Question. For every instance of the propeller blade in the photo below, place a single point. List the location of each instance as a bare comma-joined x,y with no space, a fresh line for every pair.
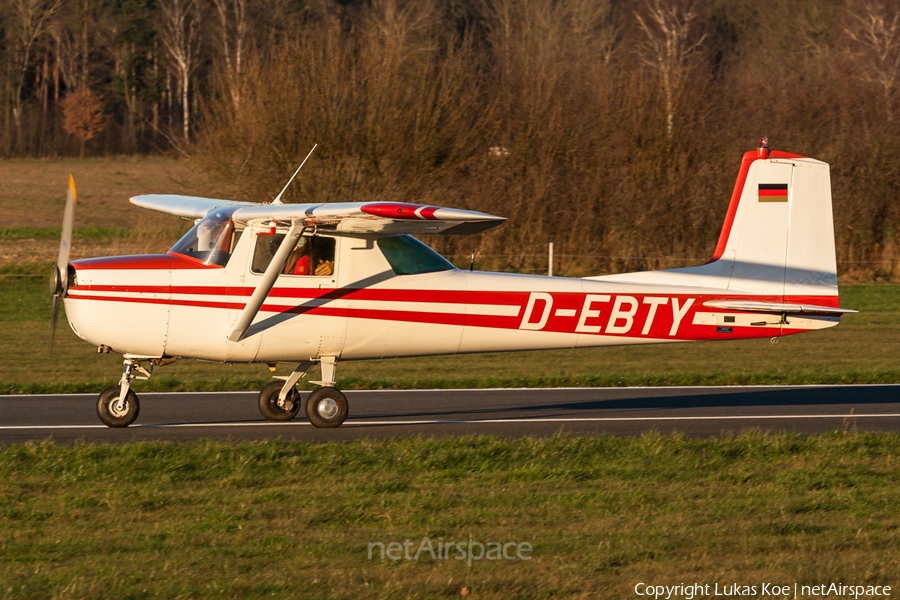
65,241
60,276
53,313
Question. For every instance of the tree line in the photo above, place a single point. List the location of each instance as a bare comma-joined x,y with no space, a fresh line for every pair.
613,128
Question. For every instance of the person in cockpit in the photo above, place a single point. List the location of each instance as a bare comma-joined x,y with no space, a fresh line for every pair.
305,261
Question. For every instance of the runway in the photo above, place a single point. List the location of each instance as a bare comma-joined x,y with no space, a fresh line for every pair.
695,411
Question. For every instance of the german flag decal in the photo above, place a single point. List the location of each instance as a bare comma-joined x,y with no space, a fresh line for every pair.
773,192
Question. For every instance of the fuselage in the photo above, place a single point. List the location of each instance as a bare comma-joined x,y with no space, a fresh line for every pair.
176,305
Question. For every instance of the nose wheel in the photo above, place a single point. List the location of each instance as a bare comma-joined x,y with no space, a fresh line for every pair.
115,410
117,405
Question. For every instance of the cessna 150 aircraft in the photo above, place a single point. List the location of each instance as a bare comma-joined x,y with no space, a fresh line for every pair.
324,283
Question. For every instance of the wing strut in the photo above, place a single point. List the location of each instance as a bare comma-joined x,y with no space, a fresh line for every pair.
265,286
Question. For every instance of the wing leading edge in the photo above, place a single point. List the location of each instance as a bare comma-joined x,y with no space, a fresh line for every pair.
186,207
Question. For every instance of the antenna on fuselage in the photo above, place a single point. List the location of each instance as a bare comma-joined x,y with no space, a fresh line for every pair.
277,199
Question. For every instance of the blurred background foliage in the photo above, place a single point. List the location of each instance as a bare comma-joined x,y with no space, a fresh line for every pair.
612,128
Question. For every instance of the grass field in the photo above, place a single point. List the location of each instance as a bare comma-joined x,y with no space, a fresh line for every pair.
279,519
34,191
293,520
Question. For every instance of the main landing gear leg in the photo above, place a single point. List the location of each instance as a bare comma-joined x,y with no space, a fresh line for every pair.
326,406
281,401
117,405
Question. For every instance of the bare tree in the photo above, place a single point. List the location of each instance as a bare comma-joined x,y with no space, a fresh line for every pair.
29,20
876,36
180,33
668,46
235,28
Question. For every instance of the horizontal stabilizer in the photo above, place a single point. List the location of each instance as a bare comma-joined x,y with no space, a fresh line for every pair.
775,307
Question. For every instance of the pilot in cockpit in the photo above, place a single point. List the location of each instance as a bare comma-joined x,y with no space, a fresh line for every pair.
304,260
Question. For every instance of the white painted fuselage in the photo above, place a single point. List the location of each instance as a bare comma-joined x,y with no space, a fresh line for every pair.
773,251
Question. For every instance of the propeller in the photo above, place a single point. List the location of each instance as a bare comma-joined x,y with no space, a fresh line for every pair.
59,273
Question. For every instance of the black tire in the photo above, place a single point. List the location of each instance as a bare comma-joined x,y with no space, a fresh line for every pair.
327,407
106,410
268,403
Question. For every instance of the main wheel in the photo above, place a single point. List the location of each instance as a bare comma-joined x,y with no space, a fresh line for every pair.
110,415
268,403
327,407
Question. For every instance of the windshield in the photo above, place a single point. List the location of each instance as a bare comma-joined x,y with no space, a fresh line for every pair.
408,256
211,240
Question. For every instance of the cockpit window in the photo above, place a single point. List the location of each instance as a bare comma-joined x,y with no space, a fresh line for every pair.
311,256
408,256
210,241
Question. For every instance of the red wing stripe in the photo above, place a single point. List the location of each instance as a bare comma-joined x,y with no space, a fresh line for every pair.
391,210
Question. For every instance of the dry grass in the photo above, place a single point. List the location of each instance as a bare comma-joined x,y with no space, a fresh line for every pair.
34,191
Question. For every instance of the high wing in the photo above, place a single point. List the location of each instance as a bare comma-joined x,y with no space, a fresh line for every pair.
186,207
343,217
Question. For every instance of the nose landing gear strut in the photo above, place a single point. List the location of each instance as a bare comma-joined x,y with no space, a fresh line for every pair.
117,405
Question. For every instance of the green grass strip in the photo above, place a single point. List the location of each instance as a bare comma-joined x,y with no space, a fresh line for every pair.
46,233
212,519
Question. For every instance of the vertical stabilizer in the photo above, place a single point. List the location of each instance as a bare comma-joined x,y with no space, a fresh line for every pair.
781,239
778,236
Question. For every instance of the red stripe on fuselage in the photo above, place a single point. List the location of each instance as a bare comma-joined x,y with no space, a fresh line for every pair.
403,295
489,297
568,312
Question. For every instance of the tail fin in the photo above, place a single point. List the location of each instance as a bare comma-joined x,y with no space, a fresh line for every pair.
778,237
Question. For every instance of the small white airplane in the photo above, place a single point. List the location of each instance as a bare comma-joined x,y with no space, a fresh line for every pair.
324,283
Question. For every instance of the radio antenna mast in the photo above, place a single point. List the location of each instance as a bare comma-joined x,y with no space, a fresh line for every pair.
277,199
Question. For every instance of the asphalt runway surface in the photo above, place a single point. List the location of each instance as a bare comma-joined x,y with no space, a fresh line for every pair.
694,411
